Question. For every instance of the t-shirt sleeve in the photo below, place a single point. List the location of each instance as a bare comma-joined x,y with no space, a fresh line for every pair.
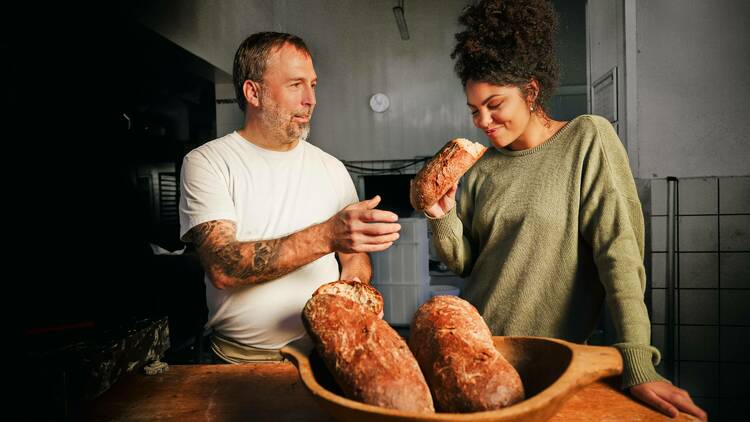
204,195
348,193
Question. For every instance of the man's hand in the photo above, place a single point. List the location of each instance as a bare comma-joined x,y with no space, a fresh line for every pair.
444,204
667,398
362,228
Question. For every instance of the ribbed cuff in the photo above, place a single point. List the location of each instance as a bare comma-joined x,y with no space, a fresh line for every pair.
638,364
446,226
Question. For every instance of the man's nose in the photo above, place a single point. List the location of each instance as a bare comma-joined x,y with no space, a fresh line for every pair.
308,99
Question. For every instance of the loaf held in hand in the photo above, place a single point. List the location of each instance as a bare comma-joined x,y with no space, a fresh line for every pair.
454,348
434,180
368,359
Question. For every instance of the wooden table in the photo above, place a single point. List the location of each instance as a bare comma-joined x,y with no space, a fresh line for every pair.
274,392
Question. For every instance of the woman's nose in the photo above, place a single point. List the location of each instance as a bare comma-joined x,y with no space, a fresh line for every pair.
482,119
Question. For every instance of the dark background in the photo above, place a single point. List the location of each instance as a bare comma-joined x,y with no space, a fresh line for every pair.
80,226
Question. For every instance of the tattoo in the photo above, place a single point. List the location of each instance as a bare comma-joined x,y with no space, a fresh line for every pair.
246,262
201,232
265,254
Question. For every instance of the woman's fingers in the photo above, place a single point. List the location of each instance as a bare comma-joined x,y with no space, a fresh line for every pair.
650,397
684,403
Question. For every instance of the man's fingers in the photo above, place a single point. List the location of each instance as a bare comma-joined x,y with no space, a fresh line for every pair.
372,203
367,204
371,216
373,248
658,403
378,229
376,240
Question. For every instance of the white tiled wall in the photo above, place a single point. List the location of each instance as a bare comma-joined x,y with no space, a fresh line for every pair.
713,331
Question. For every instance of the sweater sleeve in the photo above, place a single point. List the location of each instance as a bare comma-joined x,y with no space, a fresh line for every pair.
450,236
611,222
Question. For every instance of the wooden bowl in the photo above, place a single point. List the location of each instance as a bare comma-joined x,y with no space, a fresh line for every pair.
551,371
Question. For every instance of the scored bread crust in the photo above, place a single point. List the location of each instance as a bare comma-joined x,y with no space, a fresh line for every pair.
368,359
359,292
454,348
434,180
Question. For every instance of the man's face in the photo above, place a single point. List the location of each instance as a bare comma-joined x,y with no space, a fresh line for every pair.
287,95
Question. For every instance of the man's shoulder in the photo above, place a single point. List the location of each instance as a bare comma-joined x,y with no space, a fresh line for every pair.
218,143
214,149
327,158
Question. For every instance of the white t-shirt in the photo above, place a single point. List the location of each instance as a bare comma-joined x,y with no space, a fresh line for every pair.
269,195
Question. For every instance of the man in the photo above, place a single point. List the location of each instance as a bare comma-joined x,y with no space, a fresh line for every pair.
266,210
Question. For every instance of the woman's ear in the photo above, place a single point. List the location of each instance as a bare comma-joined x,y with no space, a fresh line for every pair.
532,92
251,90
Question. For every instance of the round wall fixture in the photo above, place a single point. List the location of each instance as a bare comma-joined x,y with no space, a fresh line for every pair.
379,102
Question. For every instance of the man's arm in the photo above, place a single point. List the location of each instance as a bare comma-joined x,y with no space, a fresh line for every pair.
231,263
355,265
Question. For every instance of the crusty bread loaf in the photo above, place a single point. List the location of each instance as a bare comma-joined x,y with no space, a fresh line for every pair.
454,348
361,293
368,359
434,180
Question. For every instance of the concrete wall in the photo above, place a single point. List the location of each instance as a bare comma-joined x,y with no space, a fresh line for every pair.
210,29
693,88
358,52
570,98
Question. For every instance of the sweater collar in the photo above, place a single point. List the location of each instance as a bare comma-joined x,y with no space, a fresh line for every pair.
551,140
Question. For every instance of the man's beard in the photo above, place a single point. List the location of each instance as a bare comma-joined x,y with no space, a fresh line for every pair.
280,122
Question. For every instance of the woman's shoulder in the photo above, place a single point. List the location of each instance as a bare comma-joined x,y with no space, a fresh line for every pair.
596,129
591,122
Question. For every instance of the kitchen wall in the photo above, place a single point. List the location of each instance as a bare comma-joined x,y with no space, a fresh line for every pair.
693,88
712,290
210,29
358,52
683,89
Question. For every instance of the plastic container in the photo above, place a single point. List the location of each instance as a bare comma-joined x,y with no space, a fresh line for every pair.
402,272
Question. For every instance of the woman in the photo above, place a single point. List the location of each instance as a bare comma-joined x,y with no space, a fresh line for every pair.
549,224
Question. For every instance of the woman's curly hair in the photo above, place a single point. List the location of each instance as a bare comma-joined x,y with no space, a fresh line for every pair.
508,42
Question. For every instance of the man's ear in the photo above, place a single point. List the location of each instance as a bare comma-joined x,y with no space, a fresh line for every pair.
251,90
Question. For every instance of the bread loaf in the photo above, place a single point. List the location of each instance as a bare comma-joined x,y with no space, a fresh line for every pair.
367,358
434,180
454,348
361,293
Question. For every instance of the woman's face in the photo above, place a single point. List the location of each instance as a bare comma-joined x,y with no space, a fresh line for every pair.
499,110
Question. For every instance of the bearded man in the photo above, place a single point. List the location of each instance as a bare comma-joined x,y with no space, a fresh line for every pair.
268,212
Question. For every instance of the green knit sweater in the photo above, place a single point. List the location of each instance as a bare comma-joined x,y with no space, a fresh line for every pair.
546,234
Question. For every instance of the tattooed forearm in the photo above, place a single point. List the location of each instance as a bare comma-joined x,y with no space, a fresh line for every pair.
213,229
232,263
265,255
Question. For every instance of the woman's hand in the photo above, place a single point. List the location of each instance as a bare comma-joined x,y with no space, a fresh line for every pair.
444,204
667,398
